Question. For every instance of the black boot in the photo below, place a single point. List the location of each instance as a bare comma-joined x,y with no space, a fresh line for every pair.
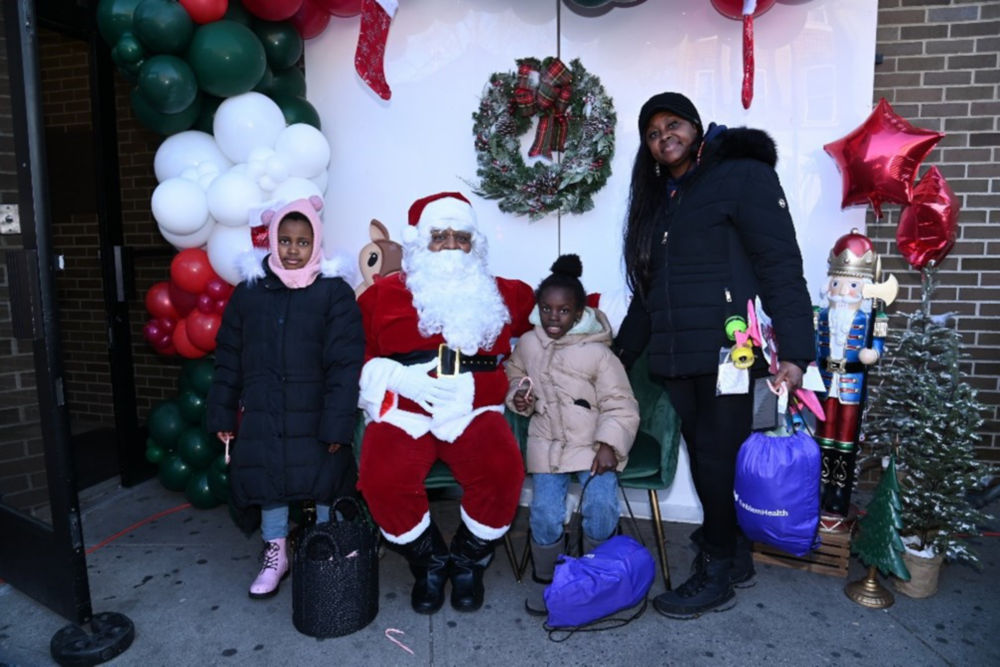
430,564
742,572
470,556
708,589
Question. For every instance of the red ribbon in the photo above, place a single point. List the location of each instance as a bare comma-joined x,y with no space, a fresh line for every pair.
552,101
258,236
747,96
524,94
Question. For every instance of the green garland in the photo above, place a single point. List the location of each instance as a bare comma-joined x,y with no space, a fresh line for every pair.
546,186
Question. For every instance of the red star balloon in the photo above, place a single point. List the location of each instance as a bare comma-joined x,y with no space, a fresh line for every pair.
879,159
928,226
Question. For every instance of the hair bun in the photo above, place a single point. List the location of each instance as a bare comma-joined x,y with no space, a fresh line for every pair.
569,265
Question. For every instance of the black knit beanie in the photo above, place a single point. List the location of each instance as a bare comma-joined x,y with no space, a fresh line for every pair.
674,103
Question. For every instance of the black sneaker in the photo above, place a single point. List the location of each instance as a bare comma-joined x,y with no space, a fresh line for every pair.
708,589
741,574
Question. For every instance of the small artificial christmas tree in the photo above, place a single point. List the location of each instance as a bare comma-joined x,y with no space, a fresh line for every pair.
924,406
878,543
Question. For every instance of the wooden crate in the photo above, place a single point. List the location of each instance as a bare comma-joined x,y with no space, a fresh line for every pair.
831,558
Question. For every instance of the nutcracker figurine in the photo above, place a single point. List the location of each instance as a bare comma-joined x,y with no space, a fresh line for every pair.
850,335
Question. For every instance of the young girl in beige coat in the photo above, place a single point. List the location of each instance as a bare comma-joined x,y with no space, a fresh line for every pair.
584,417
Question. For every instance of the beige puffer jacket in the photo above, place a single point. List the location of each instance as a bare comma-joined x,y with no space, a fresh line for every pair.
568,375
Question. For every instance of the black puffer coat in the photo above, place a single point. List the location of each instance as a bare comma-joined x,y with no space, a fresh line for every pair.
292,359
723,238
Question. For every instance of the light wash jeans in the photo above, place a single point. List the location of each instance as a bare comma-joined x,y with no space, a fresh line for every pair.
548,505
274,520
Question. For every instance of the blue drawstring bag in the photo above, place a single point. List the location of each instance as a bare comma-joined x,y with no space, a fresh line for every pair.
777,490
614,576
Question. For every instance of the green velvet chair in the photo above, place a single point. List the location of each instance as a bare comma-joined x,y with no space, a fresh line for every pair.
440,477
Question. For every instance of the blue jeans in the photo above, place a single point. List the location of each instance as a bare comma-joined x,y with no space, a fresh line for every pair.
548,505
274,520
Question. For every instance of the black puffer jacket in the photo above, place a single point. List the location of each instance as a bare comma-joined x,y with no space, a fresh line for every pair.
292,358
723,238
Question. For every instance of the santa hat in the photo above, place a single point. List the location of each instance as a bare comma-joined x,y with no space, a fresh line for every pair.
444,210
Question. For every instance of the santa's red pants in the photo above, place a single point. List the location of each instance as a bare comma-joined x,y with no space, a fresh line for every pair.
485,460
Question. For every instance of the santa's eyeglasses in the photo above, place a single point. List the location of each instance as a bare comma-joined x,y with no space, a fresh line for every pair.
442,236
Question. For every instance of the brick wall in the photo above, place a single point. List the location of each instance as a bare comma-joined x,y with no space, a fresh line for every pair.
941,71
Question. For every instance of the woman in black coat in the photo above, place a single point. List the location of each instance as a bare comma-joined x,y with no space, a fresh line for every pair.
708,228
287,363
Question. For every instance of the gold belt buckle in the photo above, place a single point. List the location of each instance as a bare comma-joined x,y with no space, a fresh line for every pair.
442,349
837,366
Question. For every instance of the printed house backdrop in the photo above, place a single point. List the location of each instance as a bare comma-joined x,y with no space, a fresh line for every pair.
814,76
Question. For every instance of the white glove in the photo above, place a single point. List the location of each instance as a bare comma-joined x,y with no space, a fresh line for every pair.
414,383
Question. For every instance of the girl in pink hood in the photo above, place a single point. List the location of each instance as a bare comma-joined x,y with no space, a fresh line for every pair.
289,354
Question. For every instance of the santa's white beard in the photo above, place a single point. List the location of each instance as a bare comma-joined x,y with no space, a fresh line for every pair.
841,319
455,296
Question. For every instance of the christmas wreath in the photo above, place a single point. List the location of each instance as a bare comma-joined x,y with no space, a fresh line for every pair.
575,117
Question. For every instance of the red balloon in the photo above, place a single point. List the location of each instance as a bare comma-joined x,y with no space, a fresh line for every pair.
879,159
168,324
217,288
341,8
928,226
201,328
184,301
205,11
220,305
733,9
184,346
310,20
152,332
205,303
190,270
158,301
272,10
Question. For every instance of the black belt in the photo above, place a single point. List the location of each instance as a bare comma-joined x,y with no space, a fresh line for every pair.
450,362
841,366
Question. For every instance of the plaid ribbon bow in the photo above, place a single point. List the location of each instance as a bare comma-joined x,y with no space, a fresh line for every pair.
524,91
552,101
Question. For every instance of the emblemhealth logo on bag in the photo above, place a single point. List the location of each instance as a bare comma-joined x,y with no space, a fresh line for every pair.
757,510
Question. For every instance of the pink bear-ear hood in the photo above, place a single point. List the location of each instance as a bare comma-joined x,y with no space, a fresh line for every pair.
307,274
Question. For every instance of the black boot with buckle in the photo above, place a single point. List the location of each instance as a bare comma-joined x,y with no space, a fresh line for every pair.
470,555
708,589
430,564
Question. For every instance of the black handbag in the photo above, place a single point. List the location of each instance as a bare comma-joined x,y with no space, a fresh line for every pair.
335,575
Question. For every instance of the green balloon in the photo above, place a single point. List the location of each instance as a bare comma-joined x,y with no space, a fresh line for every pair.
206,119
218,479
289,82
266,81
199,492
227,58
163,26
297,110
128,50
114,18
192,406
155,454
282,42
167,84
196,447
236,12
174,473
165,424
200,371
164,123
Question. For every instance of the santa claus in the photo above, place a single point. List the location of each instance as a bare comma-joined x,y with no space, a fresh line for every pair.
433,388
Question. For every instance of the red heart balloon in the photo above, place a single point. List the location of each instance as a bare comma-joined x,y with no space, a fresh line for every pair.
928,226
879,159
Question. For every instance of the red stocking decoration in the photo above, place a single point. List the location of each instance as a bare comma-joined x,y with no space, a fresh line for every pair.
375,18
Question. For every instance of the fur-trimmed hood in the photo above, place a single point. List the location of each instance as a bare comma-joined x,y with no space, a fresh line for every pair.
724,143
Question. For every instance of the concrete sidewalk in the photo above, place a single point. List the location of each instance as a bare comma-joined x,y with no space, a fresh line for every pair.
182,580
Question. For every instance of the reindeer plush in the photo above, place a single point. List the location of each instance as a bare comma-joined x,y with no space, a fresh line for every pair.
378,259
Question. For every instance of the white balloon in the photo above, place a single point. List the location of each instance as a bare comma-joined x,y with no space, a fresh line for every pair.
321,180
187,149
190,174
266,183
225,246
260,154
295,188
304,148
245,122
205,168
231,196
179,206
194,240
277,168
206,180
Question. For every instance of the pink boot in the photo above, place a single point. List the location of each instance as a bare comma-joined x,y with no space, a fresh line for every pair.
273,569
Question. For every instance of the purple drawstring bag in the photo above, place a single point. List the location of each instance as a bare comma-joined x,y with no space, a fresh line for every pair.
777,490
614,576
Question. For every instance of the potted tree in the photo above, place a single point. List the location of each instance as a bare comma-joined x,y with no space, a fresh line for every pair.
925,412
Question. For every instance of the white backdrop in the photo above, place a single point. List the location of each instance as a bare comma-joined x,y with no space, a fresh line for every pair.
814,73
